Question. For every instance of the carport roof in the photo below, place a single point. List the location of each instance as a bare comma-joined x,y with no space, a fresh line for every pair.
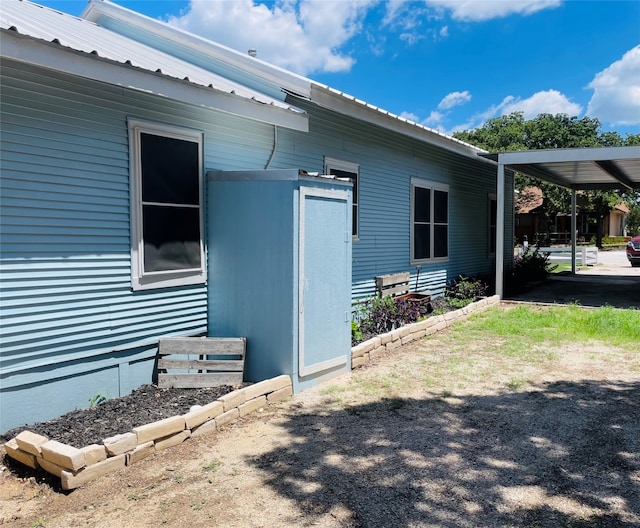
577,168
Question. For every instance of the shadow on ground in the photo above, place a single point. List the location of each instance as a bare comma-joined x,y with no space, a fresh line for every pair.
585,290
557,455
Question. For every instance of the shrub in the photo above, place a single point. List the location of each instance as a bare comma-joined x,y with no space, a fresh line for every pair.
464,290
529,267
356,333
615,241
378,315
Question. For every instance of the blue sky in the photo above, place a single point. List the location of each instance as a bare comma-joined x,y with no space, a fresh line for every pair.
447,64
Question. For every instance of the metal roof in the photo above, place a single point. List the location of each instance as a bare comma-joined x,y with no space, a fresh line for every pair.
33,22
577,168
106,13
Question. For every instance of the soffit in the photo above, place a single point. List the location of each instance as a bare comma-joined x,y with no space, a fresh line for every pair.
578,168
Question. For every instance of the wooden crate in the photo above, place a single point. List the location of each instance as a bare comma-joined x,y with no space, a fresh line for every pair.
392,284
220,361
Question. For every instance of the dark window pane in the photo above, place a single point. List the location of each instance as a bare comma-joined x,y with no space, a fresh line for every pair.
170,172
421,241
422,205
171,238
493,212
441,244
492,240
349,176
440,206
354,220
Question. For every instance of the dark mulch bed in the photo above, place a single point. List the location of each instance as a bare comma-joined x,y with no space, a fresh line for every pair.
145,405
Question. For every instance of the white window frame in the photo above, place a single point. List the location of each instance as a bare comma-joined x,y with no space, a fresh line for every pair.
354,168
432,186
492,198
141,280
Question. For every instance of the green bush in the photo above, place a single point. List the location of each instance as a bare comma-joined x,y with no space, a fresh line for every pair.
464,290
531,266
614,241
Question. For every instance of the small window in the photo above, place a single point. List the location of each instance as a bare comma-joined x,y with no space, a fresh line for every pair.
493,222
350,171
166,206
430,221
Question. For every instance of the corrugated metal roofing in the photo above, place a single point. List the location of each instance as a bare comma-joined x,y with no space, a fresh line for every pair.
81,35
103,11
578,168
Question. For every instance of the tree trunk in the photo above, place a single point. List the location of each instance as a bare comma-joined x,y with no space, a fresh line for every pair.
600,231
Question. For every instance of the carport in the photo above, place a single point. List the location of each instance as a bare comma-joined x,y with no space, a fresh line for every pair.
602,168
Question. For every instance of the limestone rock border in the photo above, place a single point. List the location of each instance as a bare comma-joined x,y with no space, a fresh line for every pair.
364,352
76,467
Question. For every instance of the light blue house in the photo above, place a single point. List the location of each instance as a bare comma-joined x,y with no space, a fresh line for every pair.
95,109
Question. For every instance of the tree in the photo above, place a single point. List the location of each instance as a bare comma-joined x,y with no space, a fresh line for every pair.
633,220
547,131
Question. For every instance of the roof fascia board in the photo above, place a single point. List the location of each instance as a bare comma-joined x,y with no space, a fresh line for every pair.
567,155
54,57
96,9
328,98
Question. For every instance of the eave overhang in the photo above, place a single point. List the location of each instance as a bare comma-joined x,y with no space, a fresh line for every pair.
53,56
605,168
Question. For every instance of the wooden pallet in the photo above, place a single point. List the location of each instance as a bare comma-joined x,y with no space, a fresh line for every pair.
397,285
393,284
220,361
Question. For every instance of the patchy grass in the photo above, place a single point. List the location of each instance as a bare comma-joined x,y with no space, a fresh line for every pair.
565,266
214,465
523,326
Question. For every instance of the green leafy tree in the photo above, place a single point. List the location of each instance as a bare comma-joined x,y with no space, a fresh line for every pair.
633,220
547,131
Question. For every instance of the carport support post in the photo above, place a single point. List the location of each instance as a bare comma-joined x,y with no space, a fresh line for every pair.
500,232
574,231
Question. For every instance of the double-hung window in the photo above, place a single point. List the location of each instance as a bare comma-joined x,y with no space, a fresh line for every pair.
166,206
429,221
350,171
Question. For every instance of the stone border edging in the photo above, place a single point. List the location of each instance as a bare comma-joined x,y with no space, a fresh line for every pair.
76,467
363,352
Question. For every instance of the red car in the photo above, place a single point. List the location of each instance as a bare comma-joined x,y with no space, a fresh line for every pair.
633,251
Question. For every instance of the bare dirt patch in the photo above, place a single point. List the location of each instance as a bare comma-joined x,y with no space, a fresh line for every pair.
439,433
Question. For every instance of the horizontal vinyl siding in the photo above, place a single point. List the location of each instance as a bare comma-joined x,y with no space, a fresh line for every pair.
387,163
65,265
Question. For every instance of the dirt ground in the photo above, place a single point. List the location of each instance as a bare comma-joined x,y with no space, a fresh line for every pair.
436,434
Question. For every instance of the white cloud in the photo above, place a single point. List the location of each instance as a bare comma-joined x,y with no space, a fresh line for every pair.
410,117
616,91
301,35
478,10
546,102
454,99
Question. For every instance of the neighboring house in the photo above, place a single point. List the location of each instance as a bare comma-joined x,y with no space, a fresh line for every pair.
529,217
530,220
92,275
